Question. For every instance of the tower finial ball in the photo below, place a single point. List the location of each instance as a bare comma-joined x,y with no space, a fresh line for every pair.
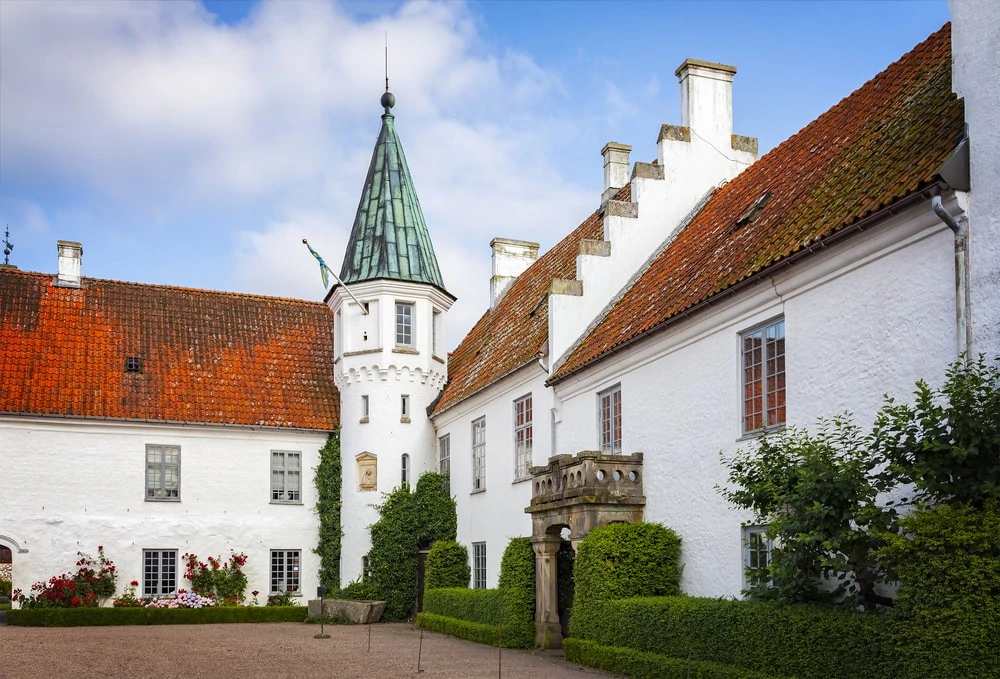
388,100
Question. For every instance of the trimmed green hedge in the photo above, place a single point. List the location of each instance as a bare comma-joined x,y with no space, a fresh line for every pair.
447,566
803,641
463,629
948,603
628,559
517,594
473,605
640,664
95,617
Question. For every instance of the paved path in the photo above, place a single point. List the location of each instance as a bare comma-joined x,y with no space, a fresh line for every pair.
272,650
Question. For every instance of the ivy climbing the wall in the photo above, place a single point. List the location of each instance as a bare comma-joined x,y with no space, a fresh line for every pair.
409,521
328,484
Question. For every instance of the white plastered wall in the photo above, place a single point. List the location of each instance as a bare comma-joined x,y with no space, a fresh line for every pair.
80,484
867,317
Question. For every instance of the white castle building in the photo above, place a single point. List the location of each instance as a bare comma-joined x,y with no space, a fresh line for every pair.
709,294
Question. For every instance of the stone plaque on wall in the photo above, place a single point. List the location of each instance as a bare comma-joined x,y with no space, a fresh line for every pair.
367,471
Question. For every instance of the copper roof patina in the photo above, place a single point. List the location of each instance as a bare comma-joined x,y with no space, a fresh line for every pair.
390,238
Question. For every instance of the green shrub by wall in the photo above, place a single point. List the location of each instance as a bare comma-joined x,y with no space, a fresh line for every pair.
628,559
640,664
447,566
408,521
93,617
804,641
517,594
948,604
463,629
5,588
328,503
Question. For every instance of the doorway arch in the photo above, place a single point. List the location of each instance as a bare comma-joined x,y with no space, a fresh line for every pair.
578,493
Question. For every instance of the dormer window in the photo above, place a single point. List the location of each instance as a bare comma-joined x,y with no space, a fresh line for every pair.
751,212
133,364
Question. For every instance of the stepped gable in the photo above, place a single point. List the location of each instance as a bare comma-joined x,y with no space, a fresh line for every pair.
389,238
203,357
512,334
882,143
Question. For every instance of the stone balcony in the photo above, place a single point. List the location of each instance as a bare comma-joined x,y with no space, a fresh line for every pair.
584,491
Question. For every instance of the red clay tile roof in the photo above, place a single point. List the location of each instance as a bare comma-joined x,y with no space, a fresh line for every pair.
882,143
511,335
207,357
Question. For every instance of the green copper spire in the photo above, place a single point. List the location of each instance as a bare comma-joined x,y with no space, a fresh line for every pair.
390,238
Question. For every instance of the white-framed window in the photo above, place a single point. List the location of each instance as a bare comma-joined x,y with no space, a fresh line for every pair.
286,476
365,408
404,407
404,469
444,460
159,572
756,555
479,455
522,437
404,324
436,332
163,473
285,569
479,565
609,409
763,358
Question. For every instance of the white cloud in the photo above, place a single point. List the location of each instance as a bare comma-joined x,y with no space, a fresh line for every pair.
159,112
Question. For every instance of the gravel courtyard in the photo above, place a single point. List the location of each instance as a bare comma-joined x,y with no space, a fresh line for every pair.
262,650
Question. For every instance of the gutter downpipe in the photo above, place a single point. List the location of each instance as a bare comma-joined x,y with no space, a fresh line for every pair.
963,319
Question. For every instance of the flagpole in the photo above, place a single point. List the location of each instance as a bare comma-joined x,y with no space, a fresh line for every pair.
364,310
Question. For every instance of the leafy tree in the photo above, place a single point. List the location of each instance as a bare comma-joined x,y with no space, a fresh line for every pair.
947,444
818,493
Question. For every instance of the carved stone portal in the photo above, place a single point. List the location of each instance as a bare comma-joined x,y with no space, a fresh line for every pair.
579,493
367,471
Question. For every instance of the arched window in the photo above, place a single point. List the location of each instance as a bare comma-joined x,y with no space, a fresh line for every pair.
404,469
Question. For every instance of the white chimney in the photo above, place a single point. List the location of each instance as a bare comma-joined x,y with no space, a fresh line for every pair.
615,168
70,254
510,259
707,100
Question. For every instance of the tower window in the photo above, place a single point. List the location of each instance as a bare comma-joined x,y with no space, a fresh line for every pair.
404,408
404,324
364,408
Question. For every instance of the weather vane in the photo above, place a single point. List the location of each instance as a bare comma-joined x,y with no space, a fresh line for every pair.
7,246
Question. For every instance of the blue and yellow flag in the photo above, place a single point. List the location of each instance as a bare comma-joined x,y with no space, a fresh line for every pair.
323,268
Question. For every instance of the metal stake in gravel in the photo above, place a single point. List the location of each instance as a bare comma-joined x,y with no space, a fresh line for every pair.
321,592
420,650
369,634
500,651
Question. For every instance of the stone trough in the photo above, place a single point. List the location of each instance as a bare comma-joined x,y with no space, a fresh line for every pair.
359,612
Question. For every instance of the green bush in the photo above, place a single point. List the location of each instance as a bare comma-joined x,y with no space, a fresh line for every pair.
948,603
463,629
447,566
93,617
358,591
640,664
796,640
5,588
472,605
517,594
408,521
626,560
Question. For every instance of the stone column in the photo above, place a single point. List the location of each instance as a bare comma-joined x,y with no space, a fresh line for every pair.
548,633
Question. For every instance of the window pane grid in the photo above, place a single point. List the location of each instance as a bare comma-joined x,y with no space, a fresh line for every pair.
444,460
286,477
522,437
479,454
764,377
756,555
404,325
479,565
285,570
610,413
163,472
159,572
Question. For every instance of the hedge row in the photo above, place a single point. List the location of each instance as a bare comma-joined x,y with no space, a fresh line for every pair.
463,629
472,605
628,559
95,617
517,594
651,665
801,641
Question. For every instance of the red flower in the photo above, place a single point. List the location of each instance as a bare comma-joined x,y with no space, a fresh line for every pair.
134,583
75,601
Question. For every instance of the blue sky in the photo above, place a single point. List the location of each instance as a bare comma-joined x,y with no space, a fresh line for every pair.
197,143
